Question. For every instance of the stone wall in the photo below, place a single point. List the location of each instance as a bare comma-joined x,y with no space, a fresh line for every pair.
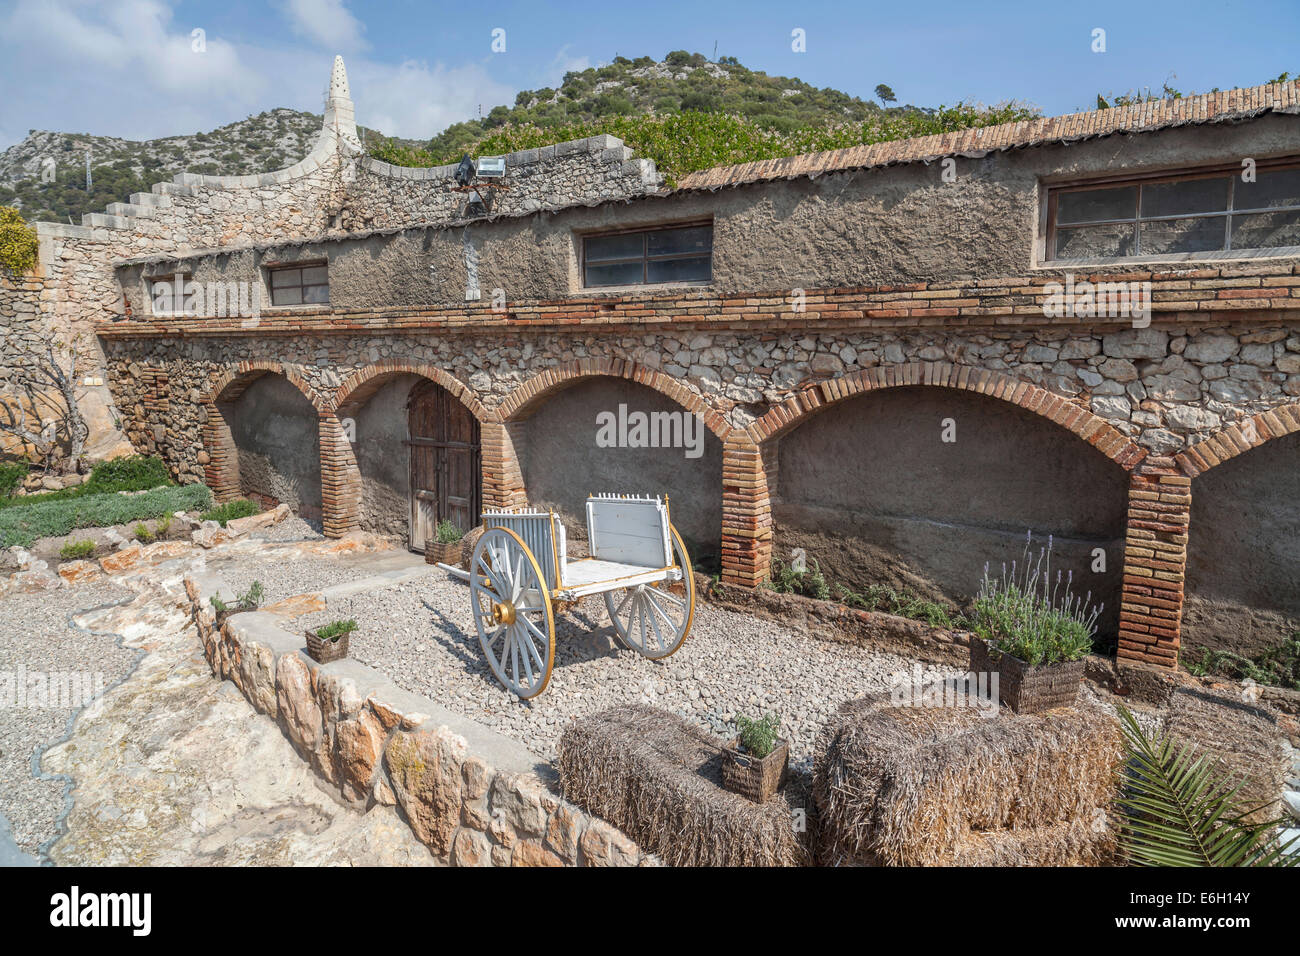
471,796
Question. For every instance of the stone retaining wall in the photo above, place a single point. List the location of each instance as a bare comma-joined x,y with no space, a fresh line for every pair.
472,797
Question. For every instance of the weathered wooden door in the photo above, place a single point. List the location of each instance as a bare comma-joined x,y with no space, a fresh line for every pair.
445,472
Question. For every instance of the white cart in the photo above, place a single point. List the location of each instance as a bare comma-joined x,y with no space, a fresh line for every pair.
519,572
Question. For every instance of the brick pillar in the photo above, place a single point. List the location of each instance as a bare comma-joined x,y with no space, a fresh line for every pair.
503,481
340,478
1155,565
221,470
746,515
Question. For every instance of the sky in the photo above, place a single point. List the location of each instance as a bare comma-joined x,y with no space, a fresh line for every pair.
137,69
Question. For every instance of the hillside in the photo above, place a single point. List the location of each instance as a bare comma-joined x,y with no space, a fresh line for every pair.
688,113
119,167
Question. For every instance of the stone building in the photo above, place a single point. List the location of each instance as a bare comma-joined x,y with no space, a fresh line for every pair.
902,357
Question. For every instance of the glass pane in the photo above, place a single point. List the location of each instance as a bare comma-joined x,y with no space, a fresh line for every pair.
313,294
314,275
1183,235
1179,199
678,270
1092,205
1095,242
286,296
1280,188
1266,230
668,242
620,273
626,246
280,277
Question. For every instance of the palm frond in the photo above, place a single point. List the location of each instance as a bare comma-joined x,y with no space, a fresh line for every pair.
1180,811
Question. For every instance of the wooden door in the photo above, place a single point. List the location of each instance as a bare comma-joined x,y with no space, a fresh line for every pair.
445,471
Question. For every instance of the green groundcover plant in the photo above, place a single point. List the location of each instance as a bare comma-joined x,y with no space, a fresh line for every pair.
52,518
1028,614
134,473
231,510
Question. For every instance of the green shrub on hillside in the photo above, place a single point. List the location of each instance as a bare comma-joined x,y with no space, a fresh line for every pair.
45,519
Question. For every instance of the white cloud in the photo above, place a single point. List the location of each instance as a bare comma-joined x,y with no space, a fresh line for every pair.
563,63
328,23
416,100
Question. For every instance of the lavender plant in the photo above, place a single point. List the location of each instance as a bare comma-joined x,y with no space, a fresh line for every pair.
1026,613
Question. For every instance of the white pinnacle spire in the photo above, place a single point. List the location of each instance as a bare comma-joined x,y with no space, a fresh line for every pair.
339,113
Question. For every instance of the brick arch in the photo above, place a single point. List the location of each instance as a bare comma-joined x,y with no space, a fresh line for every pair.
526,397
231,382
1093,429
362,384
1238,438
221,470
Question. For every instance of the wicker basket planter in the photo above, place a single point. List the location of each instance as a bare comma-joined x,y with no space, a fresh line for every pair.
442,552
324,651
1028,688
752,777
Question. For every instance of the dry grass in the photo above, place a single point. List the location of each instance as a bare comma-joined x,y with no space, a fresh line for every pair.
657,778
1242,738
912,786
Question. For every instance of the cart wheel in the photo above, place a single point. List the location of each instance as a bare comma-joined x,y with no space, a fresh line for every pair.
512,611
654,619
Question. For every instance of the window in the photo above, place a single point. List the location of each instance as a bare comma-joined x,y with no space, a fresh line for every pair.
300,285
671,254
1187,215
168,293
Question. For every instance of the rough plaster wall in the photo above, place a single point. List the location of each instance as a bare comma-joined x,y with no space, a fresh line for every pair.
275,430
1243,552
869,489
383,460
562,464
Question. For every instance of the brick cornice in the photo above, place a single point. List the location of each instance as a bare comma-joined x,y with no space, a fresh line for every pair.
1238,438
1249,290
1074,418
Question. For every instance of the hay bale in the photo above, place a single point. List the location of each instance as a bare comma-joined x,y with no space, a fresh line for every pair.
944,786
1242,738
658,779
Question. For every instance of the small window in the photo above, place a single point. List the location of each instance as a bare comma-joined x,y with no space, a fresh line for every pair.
673,254
1185,215
300,285
168,293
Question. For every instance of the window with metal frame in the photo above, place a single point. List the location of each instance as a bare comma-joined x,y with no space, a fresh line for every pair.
1226,209
300,285
167,293
667,254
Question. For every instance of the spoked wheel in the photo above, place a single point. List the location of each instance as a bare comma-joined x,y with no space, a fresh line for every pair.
512,611
654,619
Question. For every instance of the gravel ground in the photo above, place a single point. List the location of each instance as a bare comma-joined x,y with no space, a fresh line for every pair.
35,634
284,575
292,528
422,635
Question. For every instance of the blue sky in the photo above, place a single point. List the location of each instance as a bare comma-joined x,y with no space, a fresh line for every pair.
128,68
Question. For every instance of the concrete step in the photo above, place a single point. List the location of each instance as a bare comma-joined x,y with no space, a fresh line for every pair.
105,221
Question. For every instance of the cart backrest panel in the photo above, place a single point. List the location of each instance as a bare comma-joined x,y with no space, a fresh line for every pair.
544,535
629,530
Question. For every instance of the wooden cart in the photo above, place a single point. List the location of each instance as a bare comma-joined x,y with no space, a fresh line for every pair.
520,571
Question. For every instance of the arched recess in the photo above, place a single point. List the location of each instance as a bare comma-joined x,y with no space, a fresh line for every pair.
611,425
1243,542
916,477
263,437
399,481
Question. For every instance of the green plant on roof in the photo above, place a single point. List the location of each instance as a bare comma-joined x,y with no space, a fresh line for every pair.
448,532
336,629
758,736
1179,810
